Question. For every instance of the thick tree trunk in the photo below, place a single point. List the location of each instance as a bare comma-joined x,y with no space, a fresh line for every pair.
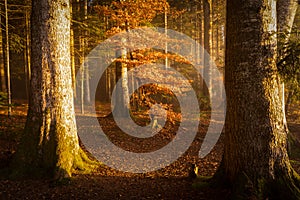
255,161
50,140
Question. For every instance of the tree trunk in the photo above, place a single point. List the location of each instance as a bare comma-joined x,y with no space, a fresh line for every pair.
207,46
2,68
289,100
50,141
286,11
212,30
27,55
87,71
108,85
166,33
201,43
122,93
72,46
255,162
7,61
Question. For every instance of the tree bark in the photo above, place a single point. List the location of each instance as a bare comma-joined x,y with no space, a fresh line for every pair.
255,162
286,11
50,141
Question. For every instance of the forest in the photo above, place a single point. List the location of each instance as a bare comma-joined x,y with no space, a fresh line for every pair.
150,99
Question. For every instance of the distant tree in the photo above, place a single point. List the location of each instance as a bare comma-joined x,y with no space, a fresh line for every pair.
2,69
7,60
255,163
14,44
207,44
126,15
286,11
50,142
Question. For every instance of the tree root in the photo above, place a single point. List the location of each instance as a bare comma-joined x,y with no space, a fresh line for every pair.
286,187
83,164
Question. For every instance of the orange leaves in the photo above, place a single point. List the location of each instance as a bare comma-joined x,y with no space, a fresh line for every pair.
103,10
130,14
147,56
169,82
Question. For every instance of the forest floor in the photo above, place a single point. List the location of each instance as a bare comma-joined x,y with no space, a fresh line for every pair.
171,182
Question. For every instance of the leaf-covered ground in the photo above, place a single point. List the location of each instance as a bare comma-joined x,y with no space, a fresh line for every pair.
172,182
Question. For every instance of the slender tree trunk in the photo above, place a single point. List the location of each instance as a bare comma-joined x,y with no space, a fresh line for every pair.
286,11
289,100
122,98
86,71
27,53
50,141
255,162
201,42
82,68
207,46
7,61
72,46
217,37
83,46
212,29
2,68
108,85
166,33
125,85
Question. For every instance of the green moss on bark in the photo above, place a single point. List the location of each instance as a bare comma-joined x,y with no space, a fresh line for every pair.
284,186
62,156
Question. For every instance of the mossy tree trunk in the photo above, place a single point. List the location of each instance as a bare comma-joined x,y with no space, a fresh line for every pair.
255,162
50,142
